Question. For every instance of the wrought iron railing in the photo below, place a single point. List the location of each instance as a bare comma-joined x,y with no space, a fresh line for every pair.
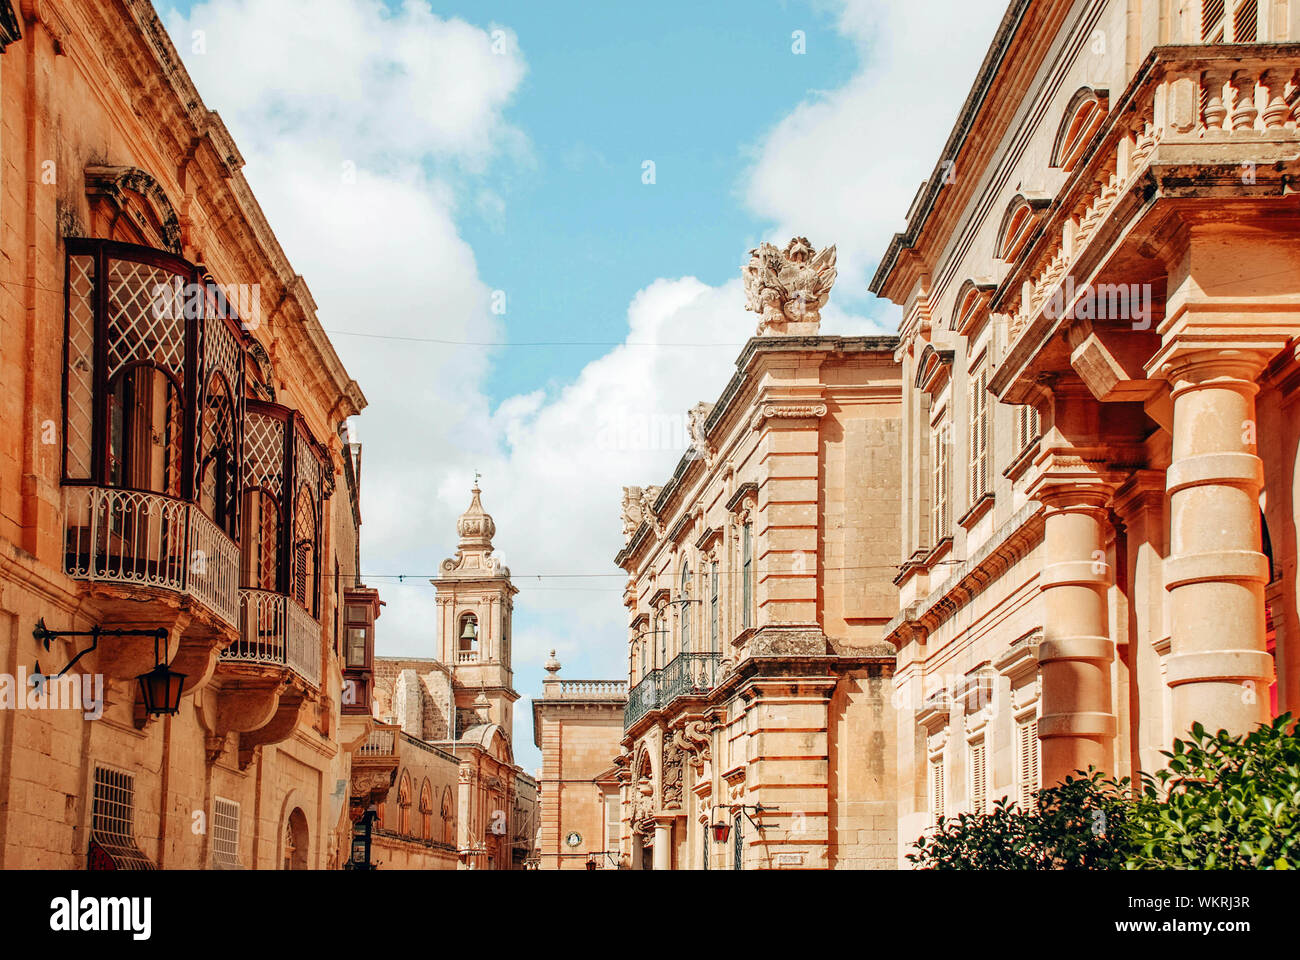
275,631
152,540
687,674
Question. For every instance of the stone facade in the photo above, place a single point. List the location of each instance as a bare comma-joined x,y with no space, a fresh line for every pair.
1098,342
578,726
458,709
162,468
758,589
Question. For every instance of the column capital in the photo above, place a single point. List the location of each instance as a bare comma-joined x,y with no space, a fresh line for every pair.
1188,364
1074,478
1143,490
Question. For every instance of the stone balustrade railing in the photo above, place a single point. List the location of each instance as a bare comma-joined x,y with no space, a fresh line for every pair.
1188,105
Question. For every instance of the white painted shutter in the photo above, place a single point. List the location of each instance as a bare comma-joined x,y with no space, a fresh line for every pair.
978,787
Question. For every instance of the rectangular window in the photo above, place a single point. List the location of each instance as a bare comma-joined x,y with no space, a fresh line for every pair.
747,576
713,607
225,833
936,787
1028,761
979,436
357,637
978,777
613,823
941,518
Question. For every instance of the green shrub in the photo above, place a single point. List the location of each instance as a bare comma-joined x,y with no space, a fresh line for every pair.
1222,802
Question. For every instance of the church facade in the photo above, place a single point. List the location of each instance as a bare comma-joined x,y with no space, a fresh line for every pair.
450,725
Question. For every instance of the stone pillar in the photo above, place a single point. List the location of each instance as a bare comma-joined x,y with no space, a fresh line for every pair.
1077,721
663,852
1219,670
1140,505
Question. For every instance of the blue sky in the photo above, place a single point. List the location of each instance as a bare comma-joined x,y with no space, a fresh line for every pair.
415,158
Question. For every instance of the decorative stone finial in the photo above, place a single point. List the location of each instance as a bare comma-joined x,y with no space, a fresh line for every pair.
551,666
788,288
482,705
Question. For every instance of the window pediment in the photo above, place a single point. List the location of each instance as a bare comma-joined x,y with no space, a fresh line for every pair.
933,368
972,306
1083,117
1019,223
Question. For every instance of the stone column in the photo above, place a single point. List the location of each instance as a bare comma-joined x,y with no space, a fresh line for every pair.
1140,505
663,853
1077,721
1219,670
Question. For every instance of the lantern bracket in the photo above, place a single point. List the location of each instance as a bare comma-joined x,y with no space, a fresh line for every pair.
44,634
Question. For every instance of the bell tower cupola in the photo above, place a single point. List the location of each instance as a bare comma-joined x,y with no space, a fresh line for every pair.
475,607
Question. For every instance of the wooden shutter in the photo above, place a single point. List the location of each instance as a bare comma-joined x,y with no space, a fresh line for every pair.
979,436
978,788
1028,762
942,482
936,787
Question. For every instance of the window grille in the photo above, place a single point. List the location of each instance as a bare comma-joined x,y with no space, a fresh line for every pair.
112,826
225,833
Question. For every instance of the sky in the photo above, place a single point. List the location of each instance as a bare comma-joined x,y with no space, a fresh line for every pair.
523,224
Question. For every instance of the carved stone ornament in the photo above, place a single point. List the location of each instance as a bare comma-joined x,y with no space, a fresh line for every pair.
788,286
674,756
769,642
696,417
633,512
474,552
786,411
693,739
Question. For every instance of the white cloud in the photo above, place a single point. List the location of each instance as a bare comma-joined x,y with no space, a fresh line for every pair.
844,166
416,103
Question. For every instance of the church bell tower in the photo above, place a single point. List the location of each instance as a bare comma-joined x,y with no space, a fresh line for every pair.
475,607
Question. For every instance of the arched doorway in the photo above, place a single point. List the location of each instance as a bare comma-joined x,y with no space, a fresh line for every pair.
296,841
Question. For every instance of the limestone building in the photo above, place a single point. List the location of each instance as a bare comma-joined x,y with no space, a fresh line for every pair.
1099,285
578,726
451,721
178,496
758,729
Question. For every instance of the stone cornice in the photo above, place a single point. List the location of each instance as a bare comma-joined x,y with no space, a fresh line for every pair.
1013,540
744,491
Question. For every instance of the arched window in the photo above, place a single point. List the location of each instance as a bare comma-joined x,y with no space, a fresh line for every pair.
1083,117
686,606
404,805
1018,226
426,811
305,572
146,414
218,467
448,822
467,633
